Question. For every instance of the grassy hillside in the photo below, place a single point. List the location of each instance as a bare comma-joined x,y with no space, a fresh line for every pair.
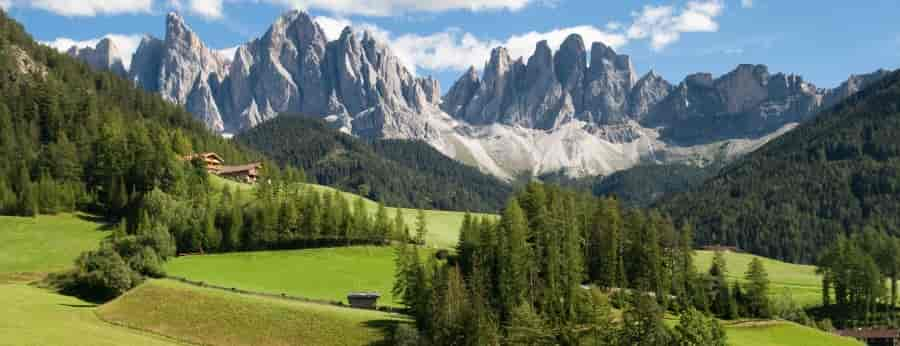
316,273
443,226
782,334
804,285
46,243
34,316
206,316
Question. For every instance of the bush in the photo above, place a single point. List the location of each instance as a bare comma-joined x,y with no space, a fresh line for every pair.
99,275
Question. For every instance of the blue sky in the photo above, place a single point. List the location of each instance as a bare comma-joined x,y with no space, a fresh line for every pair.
825,41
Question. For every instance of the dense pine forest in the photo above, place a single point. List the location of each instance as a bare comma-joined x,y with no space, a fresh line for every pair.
837,174
639,186
551,270
400,173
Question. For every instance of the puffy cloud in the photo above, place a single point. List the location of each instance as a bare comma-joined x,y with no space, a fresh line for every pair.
394,7
83,8
456,50
209,9
126,44
663,25
332,26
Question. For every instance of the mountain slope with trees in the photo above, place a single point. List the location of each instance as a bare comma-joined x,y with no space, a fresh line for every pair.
399,173
838,174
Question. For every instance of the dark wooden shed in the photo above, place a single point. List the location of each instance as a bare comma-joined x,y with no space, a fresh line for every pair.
363,300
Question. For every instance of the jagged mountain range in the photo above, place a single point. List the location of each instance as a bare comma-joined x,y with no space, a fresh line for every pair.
573,110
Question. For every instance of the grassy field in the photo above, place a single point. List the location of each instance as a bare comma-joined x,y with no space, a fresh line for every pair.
443,226
212,317
46,243
328,273
782,334
801,280
35,316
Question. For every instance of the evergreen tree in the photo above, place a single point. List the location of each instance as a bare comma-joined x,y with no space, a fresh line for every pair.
421,227
514,264
757,294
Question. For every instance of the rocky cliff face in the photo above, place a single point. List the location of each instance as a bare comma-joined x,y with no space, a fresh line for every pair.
579,110
104,57
554,88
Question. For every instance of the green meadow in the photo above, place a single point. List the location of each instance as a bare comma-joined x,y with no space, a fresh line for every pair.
46,243
327,274
800,280
776,333
212,317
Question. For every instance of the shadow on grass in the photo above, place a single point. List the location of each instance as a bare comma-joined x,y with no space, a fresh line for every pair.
80,306
386,327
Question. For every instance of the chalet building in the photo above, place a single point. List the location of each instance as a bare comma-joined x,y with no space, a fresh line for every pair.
873,336
248,173
363,300
213,161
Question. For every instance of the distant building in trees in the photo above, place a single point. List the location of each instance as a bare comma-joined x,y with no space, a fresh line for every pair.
215,164
363,300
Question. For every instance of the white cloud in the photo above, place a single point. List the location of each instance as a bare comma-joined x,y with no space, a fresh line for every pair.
126,44
456,50
394,7
663,25
332,26
747,3
208,9
84,8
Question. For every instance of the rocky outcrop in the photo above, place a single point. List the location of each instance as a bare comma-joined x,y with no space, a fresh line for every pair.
853,85
145,64
105,56
551,89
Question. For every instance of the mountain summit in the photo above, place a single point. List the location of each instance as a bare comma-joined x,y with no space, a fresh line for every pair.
585,112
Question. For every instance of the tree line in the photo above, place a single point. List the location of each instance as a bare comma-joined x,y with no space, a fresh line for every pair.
552,267
854,272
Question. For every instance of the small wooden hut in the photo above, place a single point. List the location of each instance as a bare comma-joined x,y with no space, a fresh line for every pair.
363,300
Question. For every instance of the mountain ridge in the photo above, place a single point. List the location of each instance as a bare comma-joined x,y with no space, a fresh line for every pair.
586,112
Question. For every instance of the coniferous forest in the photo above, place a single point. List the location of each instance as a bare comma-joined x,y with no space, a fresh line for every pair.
400,173
539,276
836,175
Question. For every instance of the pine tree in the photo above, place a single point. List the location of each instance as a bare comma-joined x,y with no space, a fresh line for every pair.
400,230
421,227
361,223
382,224
757,294
515,260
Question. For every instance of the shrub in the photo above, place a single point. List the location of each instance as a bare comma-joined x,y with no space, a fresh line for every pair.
99,275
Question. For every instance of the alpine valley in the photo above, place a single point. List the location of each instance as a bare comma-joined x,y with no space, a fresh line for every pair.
576,111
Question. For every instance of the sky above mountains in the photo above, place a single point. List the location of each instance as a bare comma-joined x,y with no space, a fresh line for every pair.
825,40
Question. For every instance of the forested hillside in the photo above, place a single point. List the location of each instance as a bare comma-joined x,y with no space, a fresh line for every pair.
399,173
641,185
72,138
837,174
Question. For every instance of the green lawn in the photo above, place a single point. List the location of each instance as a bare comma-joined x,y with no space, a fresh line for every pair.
443,226
769,333
35,316
46,243
328,273
804,285
213,317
